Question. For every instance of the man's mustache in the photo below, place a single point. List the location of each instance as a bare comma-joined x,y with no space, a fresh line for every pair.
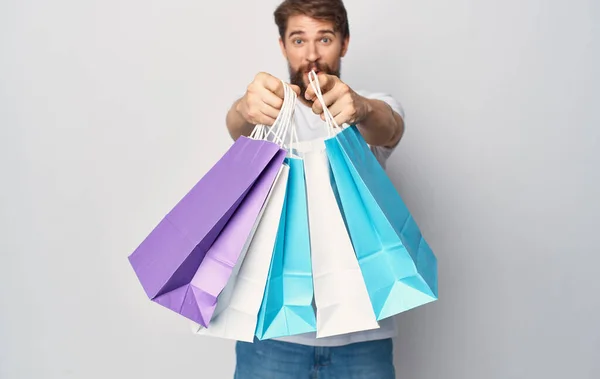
313,66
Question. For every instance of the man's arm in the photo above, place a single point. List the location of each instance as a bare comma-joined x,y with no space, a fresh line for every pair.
236,123
379,125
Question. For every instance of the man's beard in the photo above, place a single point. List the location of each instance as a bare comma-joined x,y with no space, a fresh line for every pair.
297,76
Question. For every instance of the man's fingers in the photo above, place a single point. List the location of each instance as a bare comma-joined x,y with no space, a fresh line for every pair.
310,91
260,118
271,99
269,111
338,112
310,94
341,118
326,82
329,99
317,108
296,89
274,85
335,110
266,120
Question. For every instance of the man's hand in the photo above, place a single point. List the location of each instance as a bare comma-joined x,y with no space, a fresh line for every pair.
378,123
345,105
263,100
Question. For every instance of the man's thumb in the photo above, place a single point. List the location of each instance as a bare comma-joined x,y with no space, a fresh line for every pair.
296,89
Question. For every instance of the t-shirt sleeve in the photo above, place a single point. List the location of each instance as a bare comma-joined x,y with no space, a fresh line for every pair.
382,153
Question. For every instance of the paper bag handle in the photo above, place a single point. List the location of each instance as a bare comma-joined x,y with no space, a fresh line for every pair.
282,122
330,122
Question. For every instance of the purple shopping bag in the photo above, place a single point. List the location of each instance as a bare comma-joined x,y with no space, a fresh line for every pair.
169,257
217,266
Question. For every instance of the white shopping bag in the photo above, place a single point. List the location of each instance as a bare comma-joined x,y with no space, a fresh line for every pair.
341,298
236,313
240,301
225,296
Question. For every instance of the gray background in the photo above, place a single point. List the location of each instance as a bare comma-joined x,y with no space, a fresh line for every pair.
112,110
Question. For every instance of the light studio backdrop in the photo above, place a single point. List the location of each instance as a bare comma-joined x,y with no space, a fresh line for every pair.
111,110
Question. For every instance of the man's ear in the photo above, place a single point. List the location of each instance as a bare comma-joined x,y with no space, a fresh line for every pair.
345,44
282,47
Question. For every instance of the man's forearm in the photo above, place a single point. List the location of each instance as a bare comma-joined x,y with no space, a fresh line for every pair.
381,126
236,124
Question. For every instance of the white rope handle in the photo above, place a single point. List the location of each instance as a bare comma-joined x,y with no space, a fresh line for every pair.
258,132
330,122
292,128
286,112
282,122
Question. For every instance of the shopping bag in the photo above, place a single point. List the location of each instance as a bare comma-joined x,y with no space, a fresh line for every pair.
238,305
217,214
287,305
341,298
215,269
398,266
216,278
168,258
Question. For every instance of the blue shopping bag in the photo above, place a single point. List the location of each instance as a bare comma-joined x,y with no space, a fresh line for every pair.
286,307
398,266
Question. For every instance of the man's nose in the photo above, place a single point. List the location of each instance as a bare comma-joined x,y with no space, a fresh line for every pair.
313,53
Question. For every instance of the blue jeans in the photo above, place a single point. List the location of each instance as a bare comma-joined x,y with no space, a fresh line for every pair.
272,359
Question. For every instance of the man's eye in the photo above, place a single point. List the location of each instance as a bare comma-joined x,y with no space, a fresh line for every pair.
325,39
298,41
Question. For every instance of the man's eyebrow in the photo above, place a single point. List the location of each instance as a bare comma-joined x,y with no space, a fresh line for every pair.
326,31
300,32
295,33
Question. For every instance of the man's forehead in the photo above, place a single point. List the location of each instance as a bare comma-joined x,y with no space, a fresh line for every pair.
301,24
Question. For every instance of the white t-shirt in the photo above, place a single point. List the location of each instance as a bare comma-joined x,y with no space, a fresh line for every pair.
310,126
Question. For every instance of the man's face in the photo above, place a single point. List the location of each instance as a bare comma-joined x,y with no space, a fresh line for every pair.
311,44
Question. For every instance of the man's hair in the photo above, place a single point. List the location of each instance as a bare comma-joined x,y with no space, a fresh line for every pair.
325,10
